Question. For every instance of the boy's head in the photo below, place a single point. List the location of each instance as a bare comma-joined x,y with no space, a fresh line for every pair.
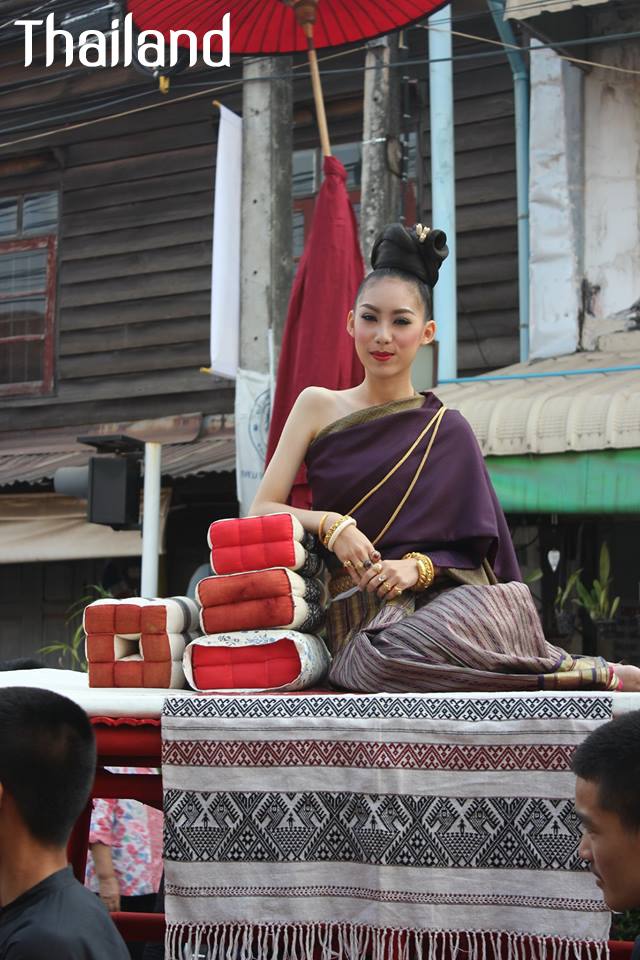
47,762
607,766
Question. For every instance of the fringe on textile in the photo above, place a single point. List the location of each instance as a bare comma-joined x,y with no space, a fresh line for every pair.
346,941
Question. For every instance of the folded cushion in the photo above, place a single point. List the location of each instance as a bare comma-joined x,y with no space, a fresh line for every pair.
277,597
257,543
255,660
138,642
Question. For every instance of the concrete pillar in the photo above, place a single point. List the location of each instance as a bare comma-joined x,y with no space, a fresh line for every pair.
266,266
555,205
381,189
612,188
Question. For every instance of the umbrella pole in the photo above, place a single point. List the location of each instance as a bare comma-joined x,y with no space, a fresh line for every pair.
323,129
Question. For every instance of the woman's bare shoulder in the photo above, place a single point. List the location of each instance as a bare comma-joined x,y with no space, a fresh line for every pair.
322,406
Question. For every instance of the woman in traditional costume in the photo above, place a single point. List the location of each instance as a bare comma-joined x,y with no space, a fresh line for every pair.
427,594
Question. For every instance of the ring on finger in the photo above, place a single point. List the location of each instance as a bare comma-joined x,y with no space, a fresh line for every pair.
386,587
359,565
347,564
377,567
381,578
396,591
367,564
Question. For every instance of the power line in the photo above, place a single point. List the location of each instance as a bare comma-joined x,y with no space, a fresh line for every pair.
339,71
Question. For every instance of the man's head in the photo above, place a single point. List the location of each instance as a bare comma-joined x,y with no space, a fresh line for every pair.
47,763
607,766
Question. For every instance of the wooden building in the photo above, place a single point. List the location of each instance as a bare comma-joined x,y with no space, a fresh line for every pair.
106,208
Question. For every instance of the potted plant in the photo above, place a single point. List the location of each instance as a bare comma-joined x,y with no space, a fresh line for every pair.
564,613
598,608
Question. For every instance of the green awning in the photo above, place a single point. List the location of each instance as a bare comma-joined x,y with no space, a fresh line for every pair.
597,481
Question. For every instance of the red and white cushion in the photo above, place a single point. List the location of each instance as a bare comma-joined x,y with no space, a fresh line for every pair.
255,660
257,543
138,642
261,599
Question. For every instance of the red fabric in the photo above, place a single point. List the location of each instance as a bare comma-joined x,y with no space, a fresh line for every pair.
99,647
137,927
218,591
253,543
264,665
620,949
100,618
127,618
155,648
127,741
101,674
145,787
316,348
153,619
249,615
269,26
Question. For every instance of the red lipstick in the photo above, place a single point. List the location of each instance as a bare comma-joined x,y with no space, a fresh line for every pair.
382,356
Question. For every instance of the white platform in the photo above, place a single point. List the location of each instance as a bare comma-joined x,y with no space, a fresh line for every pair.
140,702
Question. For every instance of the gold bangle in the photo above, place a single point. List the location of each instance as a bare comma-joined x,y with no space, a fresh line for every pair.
426,570
334,526
321,525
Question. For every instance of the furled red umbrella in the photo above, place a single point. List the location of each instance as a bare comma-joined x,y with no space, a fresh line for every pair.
316,348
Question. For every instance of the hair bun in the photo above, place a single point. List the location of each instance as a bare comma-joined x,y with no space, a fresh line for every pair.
419,251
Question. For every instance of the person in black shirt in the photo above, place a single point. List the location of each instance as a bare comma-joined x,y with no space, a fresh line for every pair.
47,764
607,767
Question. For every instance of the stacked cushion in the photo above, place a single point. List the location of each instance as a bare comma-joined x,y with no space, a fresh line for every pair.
256,660
277,597
260,609
138,642
257,543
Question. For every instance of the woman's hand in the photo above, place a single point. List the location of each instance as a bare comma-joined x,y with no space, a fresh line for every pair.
109,892
388,578
355,552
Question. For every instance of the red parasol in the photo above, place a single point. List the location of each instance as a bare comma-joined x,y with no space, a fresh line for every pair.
316,348
263,27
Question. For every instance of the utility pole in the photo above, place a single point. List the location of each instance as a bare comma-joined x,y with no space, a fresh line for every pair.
266,266
381,150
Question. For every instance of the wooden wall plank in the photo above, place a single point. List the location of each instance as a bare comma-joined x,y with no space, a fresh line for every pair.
114,363
144,262
151,308
155,333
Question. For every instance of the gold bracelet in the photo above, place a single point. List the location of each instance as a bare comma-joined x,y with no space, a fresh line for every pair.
334,526
426,570
321,525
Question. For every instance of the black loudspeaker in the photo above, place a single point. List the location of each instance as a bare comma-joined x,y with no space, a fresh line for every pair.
114,492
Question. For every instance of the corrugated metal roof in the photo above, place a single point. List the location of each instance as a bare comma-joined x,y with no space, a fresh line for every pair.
523,9
35,457
545,408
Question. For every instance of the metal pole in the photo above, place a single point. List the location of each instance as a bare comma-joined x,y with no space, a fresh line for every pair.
151,519
443,185
521,104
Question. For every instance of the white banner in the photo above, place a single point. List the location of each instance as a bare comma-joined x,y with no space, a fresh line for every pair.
252,413
225,265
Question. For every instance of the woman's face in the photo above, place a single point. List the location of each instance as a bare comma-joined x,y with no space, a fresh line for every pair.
388,326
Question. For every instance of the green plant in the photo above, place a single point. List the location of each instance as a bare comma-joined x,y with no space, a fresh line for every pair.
71,651
534,576
595,601
564,593
625,926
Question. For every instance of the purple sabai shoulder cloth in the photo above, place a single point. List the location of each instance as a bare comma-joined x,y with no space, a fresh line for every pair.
452,512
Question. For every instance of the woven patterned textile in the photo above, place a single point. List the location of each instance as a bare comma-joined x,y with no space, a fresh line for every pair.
315,826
